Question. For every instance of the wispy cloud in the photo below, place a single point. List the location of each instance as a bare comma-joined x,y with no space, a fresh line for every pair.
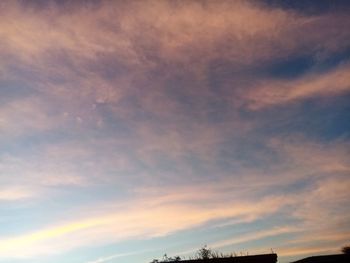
276,92
144,119
172,213
256,235
111,257
15,193
157,220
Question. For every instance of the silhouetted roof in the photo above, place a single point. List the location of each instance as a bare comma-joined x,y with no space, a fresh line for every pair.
339,258
265,258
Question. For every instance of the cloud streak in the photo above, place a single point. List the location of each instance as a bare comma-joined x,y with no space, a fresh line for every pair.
280,92
157,220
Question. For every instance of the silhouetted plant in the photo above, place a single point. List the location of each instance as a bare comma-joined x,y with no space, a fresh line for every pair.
346,250
169,259
215,254
204,253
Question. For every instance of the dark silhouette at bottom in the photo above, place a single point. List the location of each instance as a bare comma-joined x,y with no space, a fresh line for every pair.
265,258
339,258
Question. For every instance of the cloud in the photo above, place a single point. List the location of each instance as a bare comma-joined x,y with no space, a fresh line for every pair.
149,99
256,235
312,155
275,92
156,36
167,210
98,58
35,173
170,210
158,219
15,193
296,251
108,258
23,116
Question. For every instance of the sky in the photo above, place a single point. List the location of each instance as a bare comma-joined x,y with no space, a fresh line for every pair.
130,129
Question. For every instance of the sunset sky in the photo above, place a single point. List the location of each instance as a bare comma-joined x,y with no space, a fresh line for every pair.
130,129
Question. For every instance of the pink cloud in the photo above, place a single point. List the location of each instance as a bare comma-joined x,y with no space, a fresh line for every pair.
272,92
